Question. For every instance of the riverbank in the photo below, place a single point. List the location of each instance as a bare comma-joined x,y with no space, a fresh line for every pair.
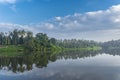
86,48
13,50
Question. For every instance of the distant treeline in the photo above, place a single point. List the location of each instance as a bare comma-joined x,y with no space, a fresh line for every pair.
74,43
110,45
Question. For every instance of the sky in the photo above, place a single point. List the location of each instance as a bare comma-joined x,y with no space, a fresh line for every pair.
97,20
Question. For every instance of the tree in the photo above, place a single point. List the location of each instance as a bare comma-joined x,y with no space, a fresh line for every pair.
42,39
29,41
21,36
15,37
53,41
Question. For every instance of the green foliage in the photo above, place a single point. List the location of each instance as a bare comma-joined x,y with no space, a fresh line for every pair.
11,48
86,49
73,43
20,40
110,45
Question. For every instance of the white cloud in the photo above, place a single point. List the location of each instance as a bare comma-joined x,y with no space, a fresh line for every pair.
13,1
8,1
101,25
9,27
58,18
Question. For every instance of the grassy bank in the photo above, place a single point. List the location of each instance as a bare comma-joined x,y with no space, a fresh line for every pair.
13,50
79,49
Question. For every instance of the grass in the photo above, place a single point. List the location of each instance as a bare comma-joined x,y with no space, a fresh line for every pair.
86,48
56,48
11,50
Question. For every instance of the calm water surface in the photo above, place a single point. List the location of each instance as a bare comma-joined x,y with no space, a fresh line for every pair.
86,65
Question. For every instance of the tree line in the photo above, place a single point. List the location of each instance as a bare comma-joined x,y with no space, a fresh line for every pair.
76,43
110,45
40,41
25,39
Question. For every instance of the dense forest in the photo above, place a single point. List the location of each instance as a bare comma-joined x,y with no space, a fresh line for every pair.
26,40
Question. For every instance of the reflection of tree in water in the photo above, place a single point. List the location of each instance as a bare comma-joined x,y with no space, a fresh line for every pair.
15,64
40,60
112,51
21,64
77,54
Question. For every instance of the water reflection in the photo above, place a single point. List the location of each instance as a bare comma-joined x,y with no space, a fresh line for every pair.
112,51
40,60
77,54
73,65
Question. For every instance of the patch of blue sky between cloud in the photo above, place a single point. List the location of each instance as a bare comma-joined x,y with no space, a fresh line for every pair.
101,25
12,4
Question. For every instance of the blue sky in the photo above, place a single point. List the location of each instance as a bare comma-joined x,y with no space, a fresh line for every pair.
34,11
81,19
